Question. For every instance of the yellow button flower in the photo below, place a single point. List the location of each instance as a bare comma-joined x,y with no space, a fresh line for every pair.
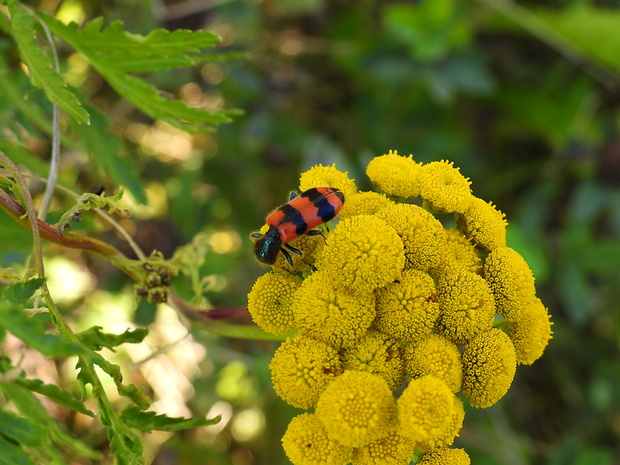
407,309
392,449
444,187
395,175
425,409
511,281
435,355
306,443
489,364
467,306
462,253
269,302
422,234
364,203
326,311
328,176
301,368
357,408
445,456
484,224
362,254
531,332
450,433
379,355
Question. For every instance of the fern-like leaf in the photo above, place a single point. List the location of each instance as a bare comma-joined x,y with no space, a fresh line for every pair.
150,421
40,70
115,53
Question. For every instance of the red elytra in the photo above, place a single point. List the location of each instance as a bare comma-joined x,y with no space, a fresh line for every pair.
303,213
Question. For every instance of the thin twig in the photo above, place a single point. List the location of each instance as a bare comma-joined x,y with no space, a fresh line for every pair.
52,176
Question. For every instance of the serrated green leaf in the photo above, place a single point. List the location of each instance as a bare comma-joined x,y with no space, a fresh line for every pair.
177,113
13,455
20,293
56,394
41,72
130,391
96,339
29,407
14,320
159,50
114,52
150,421
124,444
20,429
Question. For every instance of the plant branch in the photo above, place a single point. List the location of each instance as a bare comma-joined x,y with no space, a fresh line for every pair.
52,176
66,239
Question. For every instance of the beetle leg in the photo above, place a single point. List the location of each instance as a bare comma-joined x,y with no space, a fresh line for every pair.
287,256
292,249
316,232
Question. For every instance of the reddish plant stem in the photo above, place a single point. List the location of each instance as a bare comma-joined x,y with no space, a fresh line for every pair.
66,239
213,320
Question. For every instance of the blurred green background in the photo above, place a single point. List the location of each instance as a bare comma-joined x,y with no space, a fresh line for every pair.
523,97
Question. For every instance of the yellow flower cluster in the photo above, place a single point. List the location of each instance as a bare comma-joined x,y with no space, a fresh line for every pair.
412,298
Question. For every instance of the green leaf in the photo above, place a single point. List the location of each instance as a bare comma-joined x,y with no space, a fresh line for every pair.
124,444
20,293
40,70
130,391
56,394
13,454
150,421
147,98
29,407
159,50
97,339
15,320
114,53
20,429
